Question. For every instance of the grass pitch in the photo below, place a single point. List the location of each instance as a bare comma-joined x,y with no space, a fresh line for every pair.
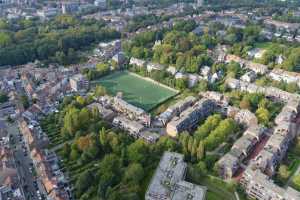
136,90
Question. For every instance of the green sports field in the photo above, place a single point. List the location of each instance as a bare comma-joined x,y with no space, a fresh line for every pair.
136,90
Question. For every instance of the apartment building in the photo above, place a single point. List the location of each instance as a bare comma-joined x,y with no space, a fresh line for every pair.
228,165
190,117
133,127
241,149
132,111
168,181
259,186
176,109
275,148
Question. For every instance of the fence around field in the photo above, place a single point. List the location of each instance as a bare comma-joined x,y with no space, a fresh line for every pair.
136,79
153,81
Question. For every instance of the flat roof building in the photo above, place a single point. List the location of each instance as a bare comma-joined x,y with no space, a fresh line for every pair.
133,127
259,186
106,114
168,181
191,116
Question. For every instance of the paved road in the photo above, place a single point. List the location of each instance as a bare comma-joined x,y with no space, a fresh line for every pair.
23,162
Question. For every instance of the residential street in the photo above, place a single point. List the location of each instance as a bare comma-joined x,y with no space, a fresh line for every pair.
23,162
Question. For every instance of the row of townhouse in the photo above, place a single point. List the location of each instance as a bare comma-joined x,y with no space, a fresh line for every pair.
285,30
33,134
189,118
54,181
256,179
45,161
79,83
288,36
276,147
282,25
229,164
45,86
272,92
168,181
7,109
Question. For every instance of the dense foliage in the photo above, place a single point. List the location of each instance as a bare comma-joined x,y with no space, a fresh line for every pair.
56,41
3,97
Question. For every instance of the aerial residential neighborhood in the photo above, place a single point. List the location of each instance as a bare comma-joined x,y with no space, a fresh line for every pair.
150,100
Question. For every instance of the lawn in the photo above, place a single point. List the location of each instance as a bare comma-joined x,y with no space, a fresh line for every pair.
136,90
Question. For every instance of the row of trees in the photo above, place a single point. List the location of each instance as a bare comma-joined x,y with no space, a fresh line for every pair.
213,132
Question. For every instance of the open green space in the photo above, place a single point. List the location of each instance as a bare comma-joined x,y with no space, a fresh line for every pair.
216,188
263,45
136,90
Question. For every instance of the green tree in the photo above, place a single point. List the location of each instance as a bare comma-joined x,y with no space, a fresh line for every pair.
263,115
210,124
138,152
3,97
190,144
5,39
25,102
181,83
100,91
200,150
134,173
83,182
283,173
